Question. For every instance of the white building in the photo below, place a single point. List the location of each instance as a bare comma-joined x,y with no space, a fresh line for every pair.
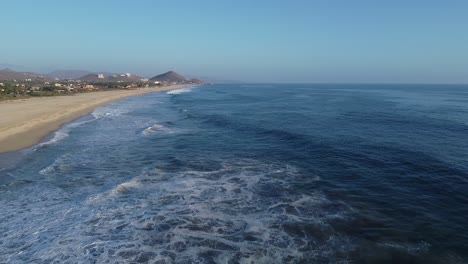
57,85
100,76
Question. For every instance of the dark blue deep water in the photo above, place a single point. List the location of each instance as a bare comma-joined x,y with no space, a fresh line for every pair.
248,174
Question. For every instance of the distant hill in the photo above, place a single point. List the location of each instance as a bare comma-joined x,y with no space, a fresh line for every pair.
68,74
169,77
101,77
9,75
196,81
90,77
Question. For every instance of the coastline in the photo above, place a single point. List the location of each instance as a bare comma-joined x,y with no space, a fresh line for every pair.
25,123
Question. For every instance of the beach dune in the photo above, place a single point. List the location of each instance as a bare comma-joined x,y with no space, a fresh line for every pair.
24,123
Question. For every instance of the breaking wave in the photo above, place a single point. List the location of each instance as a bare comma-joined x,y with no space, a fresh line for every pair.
61,134
179,91
243,211
100,113
157,129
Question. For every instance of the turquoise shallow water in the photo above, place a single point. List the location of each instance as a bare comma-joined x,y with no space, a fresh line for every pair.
242,173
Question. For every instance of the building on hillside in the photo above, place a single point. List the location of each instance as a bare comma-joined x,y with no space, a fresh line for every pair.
1,84
100,76
58,85
157,83
88,87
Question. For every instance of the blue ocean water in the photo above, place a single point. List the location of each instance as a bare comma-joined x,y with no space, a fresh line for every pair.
248,174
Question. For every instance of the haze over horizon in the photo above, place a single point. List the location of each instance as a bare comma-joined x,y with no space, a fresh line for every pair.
261,41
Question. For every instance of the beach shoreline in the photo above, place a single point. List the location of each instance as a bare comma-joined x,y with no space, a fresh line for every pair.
27,122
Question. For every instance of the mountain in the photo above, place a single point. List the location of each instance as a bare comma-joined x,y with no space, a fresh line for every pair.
170,77
9,75
18,68
196,81
90,78
105,77
68,74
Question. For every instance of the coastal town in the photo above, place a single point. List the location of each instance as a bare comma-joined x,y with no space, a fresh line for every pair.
15,85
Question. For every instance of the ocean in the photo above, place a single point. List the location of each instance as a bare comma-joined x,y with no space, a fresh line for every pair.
239,173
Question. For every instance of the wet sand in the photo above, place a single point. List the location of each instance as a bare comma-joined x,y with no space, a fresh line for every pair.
24,123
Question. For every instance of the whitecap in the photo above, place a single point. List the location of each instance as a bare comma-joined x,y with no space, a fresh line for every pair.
62,133
105,112
226,210
126,187
179,91
152,129
158,129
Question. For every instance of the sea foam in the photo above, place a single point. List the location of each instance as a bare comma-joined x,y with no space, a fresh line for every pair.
223,215
179,91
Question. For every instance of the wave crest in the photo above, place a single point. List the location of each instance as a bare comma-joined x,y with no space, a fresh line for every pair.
180,91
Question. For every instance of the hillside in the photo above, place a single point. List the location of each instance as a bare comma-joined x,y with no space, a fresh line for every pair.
170,77
68,74
9,75
111,78
197,81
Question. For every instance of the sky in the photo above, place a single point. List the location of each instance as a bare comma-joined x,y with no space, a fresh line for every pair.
398,41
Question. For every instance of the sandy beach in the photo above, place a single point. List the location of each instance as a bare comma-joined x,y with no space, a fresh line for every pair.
24,123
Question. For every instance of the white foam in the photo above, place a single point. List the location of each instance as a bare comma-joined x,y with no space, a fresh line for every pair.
126,187
164,215
179,91
109,111
104,112
153,129
61,134
158,129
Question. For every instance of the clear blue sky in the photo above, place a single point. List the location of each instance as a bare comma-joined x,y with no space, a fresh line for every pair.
263,41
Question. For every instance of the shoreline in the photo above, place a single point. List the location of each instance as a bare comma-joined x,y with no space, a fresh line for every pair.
27,122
